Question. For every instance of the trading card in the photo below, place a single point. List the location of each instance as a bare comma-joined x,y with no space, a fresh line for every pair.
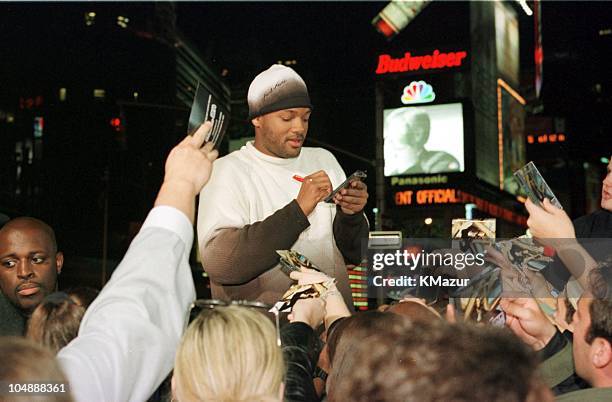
291,261
535,186
524,253
473,229
472,235
478,300
498,320
206,108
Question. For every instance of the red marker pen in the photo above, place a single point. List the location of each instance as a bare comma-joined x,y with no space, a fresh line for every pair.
549,251
298,178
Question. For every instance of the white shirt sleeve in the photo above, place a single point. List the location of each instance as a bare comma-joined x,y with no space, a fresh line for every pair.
129,335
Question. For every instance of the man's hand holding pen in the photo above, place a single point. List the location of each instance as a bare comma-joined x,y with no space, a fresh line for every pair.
314,188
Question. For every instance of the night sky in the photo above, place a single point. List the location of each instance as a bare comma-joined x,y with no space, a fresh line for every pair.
336,48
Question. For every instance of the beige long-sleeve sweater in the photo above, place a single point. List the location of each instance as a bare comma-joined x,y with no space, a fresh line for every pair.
248,210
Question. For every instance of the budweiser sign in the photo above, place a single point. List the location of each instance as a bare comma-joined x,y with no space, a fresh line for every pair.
436,60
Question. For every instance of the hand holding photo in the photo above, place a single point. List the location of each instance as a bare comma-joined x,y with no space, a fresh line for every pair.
479,299
535,186
291,260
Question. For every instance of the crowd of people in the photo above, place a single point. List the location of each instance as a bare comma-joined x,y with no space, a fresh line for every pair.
143,337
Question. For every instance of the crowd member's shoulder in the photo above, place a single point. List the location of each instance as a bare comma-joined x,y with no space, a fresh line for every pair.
595,224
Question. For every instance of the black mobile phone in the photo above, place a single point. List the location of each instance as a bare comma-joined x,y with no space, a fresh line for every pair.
206,108
358,175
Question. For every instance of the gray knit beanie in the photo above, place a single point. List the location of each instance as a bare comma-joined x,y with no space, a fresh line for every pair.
277,88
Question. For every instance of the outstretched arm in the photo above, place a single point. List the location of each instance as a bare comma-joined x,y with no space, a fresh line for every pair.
552,227
129,335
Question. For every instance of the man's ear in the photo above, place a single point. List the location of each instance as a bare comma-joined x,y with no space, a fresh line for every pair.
602,352
59,261
256,122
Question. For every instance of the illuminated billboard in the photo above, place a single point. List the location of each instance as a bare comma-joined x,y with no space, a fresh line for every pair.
511,136
423,139
410,62
507,42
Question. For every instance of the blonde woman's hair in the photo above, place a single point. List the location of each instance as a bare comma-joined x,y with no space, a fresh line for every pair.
229,354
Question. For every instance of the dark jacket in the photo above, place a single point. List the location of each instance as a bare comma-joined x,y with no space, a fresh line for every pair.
12,322
558,371
301,348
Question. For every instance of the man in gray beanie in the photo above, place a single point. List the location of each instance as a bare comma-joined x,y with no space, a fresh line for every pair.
268,196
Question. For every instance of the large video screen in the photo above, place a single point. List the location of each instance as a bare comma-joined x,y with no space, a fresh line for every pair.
423,139
514,154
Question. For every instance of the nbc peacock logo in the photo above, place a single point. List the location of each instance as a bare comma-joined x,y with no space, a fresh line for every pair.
418,92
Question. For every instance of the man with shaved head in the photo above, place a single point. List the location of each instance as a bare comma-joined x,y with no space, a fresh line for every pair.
29,264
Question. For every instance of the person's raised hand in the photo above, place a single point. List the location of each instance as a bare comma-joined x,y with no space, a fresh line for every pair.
353,198
190,162
188,168
310,311
549,221
314,189
335,307
525,318
551,226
